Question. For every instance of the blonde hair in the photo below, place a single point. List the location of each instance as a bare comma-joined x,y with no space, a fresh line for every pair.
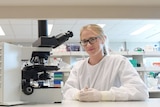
97,30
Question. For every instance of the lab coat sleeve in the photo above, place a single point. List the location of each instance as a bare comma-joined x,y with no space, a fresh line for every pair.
132,86
71,87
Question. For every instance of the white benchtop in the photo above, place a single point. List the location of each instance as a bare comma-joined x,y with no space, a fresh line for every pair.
153,102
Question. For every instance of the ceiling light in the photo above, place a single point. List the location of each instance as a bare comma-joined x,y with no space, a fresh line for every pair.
101,25
142,29
50,26
1,32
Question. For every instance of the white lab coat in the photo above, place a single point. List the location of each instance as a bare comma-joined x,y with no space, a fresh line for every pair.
114,76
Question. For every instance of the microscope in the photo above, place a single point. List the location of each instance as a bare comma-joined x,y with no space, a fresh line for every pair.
36,87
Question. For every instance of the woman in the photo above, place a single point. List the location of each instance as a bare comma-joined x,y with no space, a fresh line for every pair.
102,77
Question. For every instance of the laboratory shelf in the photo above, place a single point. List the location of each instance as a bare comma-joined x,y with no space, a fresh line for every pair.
154,90
148,69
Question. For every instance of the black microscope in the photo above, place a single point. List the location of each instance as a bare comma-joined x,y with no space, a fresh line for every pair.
38,70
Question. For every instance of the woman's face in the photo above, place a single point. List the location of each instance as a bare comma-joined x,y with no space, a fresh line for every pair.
93,44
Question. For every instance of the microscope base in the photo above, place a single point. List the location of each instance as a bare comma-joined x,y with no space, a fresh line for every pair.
43,95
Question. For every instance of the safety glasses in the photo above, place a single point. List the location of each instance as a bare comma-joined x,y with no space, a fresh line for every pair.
91,40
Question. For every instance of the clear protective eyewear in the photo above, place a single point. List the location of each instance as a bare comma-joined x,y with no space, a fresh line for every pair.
91,40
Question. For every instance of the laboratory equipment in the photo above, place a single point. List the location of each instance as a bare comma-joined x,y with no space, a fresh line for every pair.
36,79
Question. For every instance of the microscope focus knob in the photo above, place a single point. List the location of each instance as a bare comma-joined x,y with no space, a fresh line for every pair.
28,90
